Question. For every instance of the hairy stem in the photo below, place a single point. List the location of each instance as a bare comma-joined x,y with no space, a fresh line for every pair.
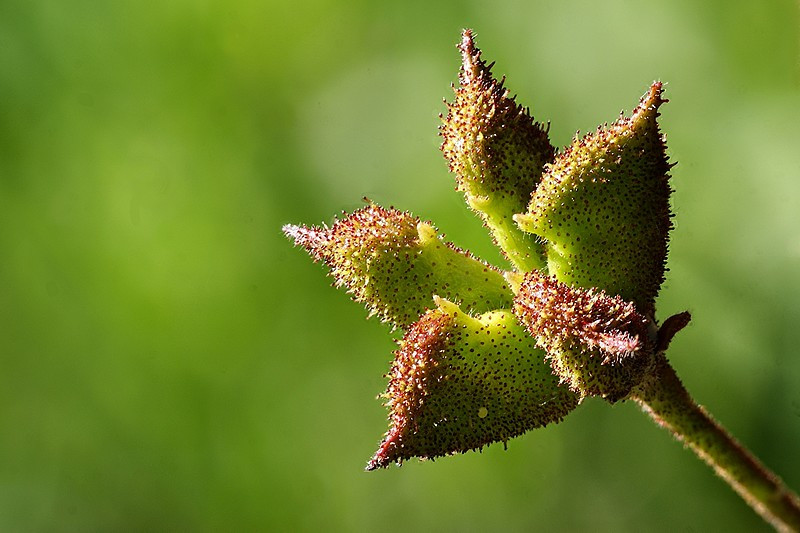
666,400
520,248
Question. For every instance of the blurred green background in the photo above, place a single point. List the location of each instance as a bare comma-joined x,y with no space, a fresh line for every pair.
168,361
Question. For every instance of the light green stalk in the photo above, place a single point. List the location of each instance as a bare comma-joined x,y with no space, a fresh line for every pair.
666,400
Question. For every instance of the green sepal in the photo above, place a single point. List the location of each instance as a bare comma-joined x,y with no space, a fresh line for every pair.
460,382
497,152
394,264
602,208
599,345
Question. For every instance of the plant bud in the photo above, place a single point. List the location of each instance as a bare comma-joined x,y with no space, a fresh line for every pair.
460,382
603,208
394,264
497,153
598,345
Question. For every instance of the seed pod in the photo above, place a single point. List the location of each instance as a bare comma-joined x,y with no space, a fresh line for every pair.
497,152
394,264
459,383
603,208
597,344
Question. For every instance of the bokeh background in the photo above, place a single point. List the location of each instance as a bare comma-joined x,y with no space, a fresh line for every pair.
168,361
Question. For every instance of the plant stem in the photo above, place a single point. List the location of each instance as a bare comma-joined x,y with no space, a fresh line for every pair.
666,400
519,247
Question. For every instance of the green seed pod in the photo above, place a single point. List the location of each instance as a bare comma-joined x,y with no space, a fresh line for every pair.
598,345
394,263
603,208
460,382
497,153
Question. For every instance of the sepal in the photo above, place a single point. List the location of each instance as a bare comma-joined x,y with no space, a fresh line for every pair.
394,263
497,153
597,344
460,382
602,208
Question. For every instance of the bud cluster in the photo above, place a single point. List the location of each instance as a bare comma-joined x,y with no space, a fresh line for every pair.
487,355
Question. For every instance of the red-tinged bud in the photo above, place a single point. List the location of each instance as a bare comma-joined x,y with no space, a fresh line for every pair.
599,345
460,382
394,263
603,208
497,152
